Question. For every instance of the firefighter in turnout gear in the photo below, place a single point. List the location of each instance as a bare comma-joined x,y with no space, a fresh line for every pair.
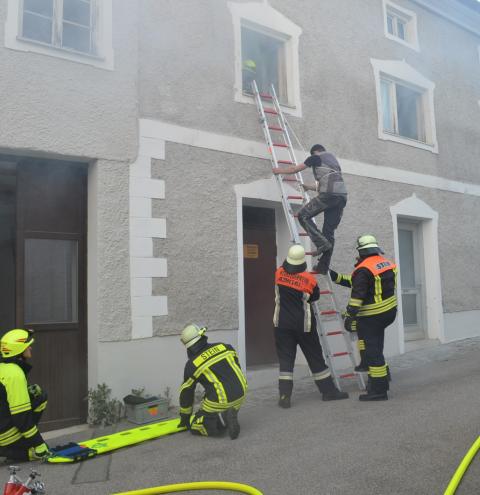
371,309
295,290
21,405
217,369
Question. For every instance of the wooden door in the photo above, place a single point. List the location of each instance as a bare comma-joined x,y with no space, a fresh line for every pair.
51,282
259,254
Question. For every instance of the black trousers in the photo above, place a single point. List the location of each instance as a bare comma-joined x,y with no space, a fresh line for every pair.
332,205
286,342
372,329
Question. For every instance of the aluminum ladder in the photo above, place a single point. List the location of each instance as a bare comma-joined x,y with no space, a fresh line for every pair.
329,320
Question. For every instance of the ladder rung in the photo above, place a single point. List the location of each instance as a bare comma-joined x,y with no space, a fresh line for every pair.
328,312
270,110
338,354
275,128
294,197
337,332
285,162
266,96
303,234
285,179
311,253
280,145
325,292
348,375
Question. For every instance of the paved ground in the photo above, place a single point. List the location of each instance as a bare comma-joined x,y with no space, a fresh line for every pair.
411,444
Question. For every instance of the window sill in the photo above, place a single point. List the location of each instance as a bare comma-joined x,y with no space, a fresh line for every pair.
386,136
246,97
413,46
59,49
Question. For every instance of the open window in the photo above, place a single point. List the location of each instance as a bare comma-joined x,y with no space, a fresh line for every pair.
400,24
266,50
405,105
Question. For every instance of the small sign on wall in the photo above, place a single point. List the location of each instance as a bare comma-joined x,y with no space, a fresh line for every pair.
250,251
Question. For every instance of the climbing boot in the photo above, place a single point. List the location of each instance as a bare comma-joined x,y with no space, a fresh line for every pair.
373,396
232,423
334,395
284,402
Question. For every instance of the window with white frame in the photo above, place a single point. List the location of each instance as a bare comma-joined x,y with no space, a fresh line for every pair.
403,110
75,30
400,24
263,60
405,105
67,24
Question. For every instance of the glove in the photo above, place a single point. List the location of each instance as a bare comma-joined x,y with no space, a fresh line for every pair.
350,323
333,275
184,421
35,390
39,453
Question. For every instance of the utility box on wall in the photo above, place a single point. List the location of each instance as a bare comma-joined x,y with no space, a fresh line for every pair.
142,410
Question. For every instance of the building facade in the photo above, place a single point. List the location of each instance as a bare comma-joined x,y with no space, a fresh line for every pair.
137,188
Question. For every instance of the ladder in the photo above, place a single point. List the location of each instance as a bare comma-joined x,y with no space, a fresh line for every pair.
329,320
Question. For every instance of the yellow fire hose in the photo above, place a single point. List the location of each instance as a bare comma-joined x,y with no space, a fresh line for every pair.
457,477
197,485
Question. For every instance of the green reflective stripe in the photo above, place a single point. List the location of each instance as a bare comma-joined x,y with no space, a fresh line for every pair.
210,406
29,433
206,355
238,372
8,433
339,278
187,384
12,439
20,409
186,410
41,407
361,345
347,278
211,362
377,308
322,375
355,302
377,371
378,289
212,378
199,427
276,313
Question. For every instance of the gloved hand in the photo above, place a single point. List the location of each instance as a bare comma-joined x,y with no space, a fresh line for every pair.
35,390
39,453
184,421
333,275
350,323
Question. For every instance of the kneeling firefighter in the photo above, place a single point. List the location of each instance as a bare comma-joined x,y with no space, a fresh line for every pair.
371,309
217,369
21,405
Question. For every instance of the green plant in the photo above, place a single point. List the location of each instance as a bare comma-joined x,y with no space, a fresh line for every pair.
102,409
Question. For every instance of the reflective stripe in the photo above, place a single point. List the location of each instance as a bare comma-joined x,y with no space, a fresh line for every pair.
377,371
346,278
276,313
196,424
361,345
322,375
339,278
377,308
14,437
187,384
186,410
211,362
206,355
26,406
210,406
8,433
378,289
285,375
307,315
355,302
29,433
238,372
41,407
212,378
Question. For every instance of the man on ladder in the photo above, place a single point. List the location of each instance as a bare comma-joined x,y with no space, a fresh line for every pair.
371,309
295,324
331,199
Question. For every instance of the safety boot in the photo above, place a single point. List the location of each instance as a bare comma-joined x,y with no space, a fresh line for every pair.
232,423
319,250
321,266
329,391
372,395
284,401
361,368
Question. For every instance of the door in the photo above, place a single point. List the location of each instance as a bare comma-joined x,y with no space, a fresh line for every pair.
412,279
51,281
259,260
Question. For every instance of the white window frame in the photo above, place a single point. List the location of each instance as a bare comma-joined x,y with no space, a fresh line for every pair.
103,42
410,18
403,73
266,20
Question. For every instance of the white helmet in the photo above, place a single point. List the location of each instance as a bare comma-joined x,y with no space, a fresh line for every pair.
296,255
191,334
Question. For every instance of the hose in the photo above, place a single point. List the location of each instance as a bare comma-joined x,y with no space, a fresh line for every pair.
457,477
196,485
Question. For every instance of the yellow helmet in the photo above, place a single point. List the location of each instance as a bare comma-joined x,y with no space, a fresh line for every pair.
296,255
249,65
16,342
367,244
191,334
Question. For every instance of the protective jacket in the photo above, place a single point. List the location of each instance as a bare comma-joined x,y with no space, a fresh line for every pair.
373,284
217,368
295,290
17,417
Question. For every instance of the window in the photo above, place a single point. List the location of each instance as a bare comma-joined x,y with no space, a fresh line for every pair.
266,50
263,60
77,30
405,105
62,23
402,109
400,25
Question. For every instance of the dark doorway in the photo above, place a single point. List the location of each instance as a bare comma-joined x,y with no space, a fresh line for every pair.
46,290
259,254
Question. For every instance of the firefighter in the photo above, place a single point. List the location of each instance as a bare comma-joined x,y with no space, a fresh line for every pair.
249,72
371,309
217,369
295,324
331,200
21,405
